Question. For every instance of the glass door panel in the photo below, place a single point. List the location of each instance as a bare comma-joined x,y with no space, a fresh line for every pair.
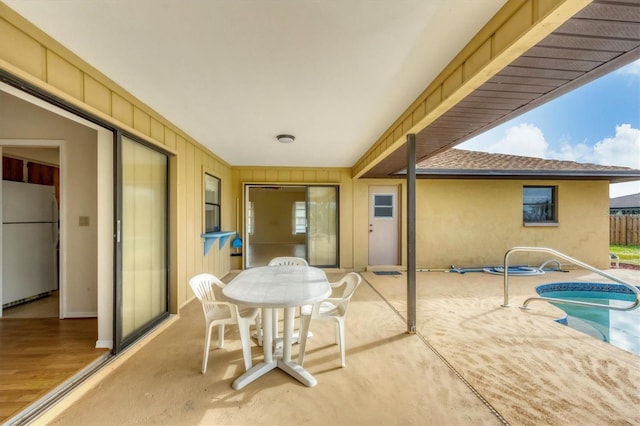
322,219
143,238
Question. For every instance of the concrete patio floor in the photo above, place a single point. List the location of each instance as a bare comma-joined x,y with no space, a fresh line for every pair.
470,362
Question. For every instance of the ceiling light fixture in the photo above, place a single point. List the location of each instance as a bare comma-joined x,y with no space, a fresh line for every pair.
285,138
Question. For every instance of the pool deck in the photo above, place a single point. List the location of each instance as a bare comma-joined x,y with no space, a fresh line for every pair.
470,362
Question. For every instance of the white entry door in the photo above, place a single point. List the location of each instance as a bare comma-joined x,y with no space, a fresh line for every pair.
383,225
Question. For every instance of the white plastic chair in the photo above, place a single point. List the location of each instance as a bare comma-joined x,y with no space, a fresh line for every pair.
278,261
288,261
333,308
218,312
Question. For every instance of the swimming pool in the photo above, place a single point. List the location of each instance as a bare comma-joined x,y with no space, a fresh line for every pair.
619,328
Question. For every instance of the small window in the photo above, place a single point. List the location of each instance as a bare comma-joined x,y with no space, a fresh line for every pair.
211,203
383,206
299,217
539,204
250,217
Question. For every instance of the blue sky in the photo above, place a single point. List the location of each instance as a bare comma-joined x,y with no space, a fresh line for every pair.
596,123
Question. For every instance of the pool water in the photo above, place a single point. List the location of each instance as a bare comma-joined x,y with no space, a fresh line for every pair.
619,328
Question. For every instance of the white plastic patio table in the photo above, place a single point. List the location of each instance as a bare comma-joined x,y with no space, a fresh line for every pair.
273,287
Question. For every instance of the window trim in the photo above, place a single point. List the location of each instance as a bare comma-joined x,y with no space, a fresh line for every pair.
540,224
554,203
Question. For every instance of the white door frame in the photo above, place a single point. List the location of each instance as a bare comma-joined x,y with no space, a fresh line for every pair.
105,252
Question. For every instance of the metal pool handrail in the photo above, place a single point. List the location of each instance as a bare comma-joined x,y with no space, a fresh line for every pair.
507,255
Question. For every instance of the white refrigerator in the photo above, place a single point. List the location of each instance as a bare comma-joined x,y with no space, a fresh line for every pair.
29,241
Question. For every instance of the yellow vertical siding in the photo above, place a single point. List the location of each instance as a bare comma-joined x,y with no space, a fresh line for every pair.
22,51
64,76
170,138
141,121
190,208
122,109
157,131
180,200
97,95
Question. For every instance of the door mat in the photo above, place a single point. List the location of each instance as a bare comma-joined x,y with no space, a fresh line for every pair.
387,273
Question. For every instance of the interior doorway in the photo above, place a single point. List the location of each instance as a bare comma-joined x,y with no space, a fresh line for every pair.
86,201
291,220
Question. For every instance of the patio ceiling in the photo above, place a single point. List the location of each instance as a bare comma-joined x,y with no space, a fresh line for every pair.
335,74
235,74
604,36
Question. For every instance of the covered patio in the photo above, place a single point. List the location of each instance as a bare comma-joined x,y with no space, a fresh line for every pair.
470,362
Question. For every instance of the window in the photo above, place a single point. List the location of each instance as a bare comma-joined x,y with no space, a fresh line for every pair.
250,217
539,204
142,268
299,217
211,203
383,206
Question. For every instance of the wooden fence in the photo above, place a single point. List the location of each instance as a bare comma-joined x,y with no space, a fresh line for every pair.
624,229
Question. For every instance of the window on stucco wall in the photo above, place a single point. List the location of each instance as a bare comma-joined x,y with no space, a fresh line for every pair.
539,205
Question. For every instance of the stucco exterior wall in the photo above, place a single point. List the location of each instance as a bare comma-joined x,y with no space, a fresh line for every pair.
474,222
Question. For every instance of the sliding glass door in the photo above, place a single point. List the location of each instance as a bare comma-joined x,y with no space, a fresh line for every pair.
322,220
291,220
142,287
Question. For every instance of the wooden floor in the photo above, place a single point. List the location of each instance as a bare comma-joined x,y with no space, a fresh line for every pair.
39,354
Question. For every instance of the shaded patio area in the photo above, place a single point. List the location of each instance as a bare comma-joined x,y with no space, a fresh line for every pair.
471,362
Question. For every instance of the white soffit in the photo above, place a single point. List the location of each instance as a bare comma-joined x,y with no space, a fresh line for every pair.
234,74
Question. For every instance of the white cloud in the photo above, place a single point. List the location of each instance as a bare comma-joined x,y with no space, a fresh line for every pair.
621,150
526,139
523,139
625,188
579,152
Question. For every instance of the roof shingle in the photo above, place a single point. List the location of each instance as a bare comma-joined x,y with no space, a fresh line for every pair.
474,160
626,201
463,164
